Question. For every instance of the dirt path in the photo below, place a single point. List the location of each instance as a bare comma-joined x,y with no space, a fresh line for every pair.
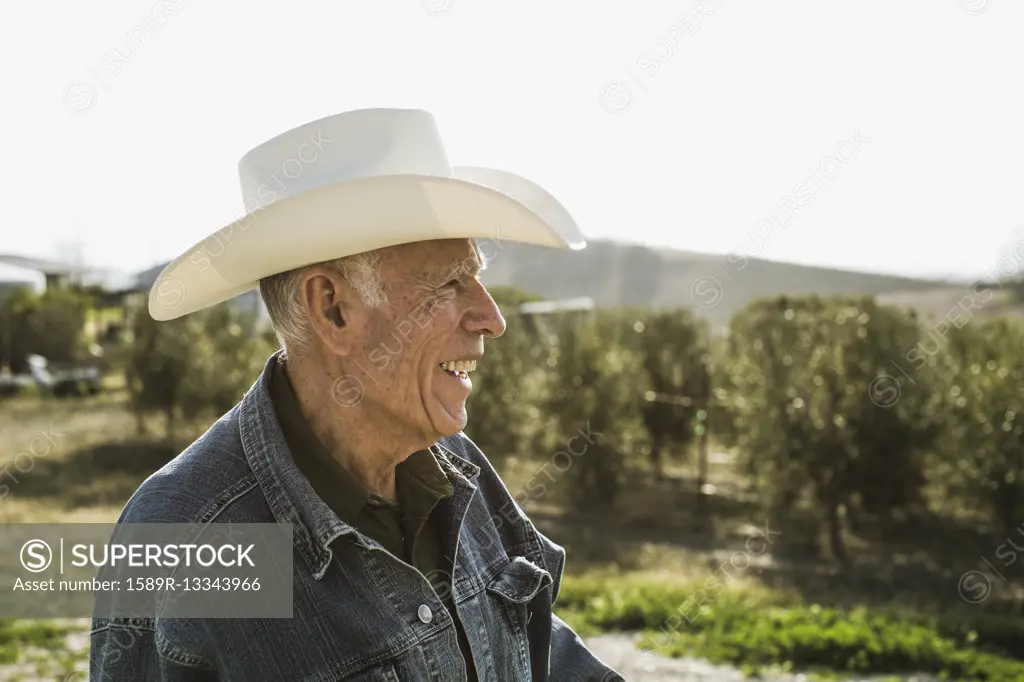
620,652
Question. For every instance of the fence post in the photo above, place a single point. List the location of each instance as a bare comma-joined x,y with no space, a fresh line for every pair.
702,452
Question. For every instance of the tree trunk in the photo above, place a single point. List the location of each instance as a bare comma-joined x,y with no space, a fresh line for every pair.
656,457
702,451
702,475
835,534
853,518
171,423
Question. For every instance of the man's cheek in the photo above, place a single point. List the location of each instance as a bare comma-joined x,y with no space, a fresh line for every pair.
442,317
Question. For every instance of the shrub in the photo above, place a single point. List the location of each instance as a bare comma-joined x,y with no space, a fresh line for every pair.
504,408
597,383
675,358
193,367
820,416
984,414
757,630
852,641
50,324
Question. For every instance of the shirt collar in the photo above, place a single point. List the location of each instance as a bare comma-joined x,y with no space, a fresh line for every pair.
289,494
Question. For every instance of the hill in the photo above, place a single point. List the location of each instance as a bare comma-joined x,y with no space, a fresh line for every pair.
715,286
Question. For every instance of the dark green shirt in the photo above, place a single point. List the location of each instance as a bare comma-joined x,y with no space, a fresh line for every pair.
406,528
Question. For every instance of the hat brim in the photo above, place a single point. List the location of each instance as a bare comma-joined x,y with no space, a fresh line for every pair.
355,216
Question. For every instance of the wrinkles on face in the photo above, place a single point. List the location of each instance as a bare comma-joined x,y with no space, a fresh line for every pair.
422,326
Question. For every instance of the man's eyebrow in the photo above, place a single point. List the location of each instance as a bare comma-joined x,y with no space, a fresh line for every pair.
470,266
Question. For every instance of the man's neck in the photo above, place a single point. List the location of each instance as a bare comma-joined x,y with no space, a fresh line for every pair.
364,446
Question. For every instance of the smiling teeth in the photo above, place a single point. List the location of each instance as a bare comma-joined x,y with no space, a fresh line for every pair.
459,366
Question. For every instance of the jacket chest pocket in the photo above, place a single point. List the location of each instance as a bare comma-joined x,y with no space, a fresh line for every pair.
519,582
509,593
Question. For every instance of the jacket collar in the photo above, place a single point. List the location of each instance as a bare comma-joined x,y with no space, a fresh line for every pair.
290,495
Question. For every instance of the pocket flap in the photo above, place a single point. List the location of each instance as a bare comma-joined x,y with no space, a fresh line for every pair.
520,580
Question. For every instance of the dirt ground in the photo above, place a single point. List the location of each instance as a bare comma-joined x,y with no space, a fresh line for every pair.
620,652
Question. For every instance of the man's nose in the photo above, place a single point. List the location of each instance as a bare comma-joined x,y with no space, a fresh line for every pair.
483,316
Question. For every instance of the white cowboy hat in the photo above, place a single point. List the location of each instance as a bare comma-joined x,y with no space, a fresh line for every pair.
349,183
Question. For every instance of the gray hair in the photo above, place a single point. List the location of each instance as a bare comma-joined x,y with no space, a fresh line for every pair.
281,295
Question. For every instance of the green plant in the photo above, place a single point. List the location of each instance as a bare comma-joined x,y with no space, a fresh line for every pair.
820,417
196,366
983,444
508,388
676,360
759,630
50,324
597,383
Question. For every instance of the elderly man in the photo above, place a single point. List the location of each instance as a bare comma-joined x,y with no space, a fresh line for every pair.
411,559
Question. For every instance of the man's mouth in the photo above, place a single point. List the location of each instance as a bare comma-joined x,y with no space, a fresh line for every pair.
459,368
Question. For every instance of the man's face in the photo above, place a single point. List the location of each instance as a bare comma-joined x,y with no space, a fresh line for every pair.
437,315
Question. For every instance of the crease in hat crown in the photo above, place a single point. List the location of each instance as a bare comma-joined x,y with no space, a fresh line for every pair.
349,183
376,142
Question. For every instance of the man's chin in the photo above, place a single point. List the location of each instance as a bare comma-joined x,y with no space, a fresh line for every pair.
449,420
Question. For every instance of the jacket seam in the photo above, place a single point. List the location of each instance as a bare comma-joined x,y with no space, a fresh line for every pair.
227,497
173,653
108,626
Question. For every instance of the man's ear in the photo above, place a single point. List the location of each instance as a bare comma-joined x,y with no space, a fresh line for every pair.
331,305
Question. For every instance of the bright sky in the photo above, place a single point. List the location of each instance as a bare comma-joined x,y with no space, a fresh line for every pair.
649,121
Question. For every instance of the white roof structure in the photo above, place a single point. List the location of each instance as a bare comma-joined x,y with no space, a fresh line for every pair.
14,275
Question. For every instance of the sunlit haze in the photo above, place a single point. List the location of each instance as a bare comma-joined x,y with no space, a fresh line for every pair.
667,123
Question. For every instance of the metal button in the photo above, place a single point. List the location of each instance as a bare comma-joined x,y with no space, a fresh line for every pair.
425,614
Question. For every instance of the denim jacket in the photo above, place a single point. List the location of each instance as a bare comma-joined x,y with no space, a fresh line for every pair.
360,613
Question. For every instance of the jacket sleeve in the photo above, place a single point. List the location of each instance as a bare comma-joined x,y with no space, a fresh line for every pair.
571,660
125,650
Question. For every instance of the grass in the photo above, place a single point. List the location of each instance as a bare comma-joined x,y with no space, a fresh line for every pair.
43,649
758,630
84,460
15,634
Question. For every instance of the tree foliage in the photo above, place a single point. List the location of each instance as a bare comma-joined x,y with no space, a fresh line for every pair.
820,416
50,324
504,408
675,358
597,383
840,407
983,446
195,366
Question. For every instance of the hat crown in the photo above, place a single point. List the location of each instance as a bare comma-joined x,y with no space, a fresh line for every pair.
350,183
355,144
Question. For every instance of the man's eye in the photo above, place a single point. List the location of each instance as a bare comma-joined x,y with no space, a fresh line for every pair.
453,283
